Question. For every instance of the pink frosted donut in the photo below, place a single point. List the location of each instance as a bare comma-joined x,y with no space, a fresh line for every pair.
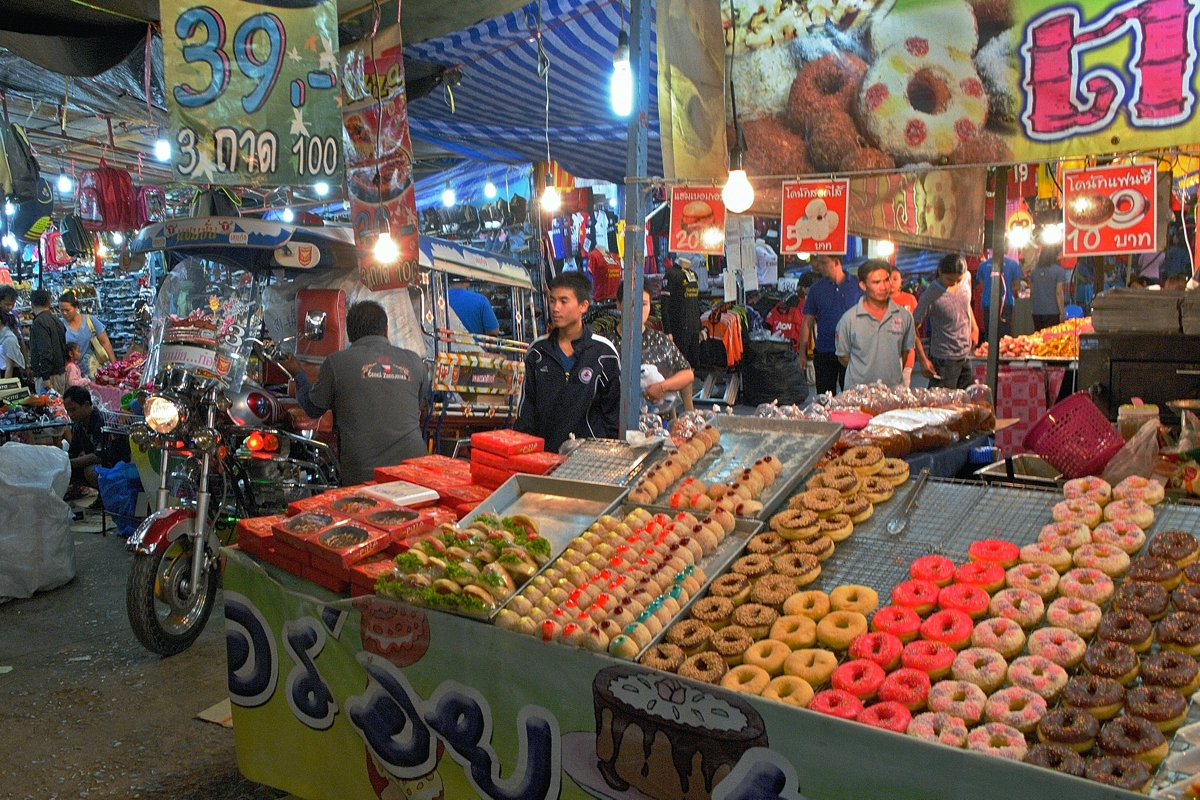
1017,707
980,666
1086,511
890,716
1136,511
932,658
1122,533
1071,535
1054,555
1063,647
940,727
961,699
1087,584
998,739
1135,487
1002,635
908,687
1039,675
934,568
984,574
1108,558
1079,616
1041,579
1091,488
966,598
996,551
1020,605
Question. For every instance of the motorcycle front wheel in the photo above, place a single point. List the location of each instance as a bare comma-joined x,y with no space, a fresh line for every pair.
160,613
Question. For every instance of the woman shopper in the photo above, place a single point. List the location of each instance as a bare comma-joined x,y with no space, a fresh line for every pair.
83,330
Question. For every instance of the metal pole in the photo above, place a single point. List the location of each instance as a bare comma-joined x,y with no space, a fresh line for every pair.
999,212
635,216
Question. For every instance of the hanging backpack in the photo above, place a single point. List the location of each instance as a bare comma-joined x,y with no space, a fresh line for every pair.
105,199
216,201
151,205
22,165
5,175
76,239
54,252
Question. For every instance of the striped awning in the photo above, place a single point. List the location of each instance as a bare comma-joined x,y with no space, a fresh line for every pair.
500,106
468,178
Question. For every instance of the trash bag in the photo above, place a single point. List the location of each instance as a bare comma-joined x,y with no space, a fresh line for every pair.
1137,457
37,549
771,372
119,488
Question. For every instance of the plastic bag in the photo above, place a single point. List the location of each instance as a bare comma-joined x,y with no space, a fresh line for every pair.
1137,457
37,549
119,488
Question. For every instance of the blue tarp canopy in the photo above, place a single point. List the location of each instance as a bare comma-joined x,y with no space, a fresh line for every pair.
468,179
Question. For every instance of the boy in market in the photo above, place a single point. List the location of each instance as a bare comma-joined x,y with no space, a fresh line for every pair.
875,337
946,303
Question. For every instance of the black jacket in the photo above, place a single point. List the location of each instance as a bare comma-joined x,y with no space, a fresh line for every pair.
585,402
47,345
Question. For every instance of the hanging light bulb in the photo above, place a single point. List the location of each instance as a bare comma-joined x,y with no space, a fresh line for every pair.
322,188
489,189
620,87
64,183
551,200
288,215
162,150
738,194
612,202
448,197
385,250
1052,234
9,208
885,249
117,238
10,241
101,250
1019,236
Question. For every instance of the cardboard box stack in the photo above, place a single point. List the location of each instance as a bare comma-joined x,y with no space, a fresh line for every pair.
494,455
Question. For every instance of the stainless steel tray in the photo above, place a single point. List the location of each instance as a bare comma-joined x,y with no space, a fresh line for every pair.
798,444
607,461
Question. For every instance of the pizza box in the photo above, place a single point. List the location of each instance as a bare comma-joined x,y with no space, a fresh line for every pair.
506,442
443,464
324,499
296,531
537,463
347,542
402,493
325,579
365,573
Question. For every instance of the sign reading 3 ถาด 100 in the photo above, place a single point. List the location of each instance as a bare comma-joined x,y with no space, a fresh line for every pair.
252,91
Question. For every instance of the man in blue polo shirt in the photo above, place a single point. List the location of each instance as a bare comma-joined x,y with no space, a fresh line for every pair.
1008,280
875,337
473,309
828,299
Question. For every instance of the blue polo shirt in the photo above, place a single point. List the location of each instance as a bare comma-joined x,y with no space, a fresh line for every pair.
1009,277
828,301
875,346
473,310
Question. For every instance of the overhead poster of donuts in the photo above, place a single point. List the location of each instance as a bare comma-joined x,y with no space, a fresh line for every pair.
814,216
1110,210
697,220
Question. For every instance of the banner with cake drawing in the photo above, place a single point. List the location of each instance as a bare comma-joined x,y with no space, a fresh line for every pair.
370,698
941,209
840,86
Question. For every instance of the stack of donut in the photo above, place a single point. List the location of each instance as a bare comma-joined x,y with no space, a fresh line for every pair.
671,469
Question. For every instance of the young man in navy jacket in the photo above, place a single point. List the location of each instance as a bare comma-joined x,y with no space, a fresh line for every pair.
572,376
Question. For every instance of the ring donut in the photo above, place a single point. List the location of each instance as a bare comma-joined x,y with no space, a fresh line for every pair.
1129,206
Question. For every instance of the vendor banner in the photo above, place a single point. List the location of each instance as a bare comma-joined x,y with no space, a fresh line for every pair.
939,210
379,182
252,91
1110,210
814,216
697,220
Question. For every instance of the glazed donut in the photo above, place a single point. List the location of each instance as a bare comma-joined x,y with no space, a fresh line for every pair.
1057,757
1100,697
841,479
1002,635
1051,555
940,727
865,461
1023,607
1059,645
1039,675
998,739
838,527
1165,708
812,604
1124,773
961,699
1016,707
966,598
902,622
876,489
908,687
795,524
839,628
1133,737
747,679
812,665
1149,569
1176,546
715,612
1108,558
1071,535
769,544
731,586
1123,534
932,658
895,471
996,551
824,84
882,648
852,597
1041,579
666,657
769,655
1069,726
1127,627
1087,512
910,134
796,631
822,547
836,703
984,574
933,568
753,566
707,667
756,618
1095,489
890,716
1185,598
861,678
949,626
1135,511
789,689
1110,659
920,596
731,643
986,669
1135,487
1079,616
858,508
691,635
772,590
1177,671
823,502
1087,584
1180,631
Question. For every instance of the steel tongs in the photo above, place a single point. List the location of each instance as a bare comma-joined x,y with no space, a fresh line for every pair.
899,522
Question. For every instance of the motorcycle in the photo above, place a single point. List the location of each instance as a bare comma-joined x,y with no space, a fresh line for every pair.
224,450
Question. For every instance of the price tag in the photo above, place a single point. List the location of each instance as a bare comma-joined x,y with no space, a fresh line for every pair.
697,221
1110,210
814,216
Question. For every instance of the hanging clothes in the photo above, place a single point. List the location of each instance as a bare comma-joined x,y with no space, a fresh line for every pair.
725,324
786,319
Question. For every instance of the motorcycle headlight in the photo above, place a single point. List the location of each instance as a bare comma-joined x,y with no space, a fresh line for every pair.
162,415
204,440
140,435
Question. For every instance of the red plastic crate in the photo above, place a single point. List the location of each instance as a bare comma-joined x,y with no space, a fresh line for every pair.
506,442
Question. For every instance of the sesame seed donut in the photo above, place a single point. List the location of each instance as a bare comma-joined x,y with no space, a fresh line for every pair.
665,657
889,715
1101,697
1016,707
940,727
858,508
1071,535
860,677
747,679
753,566
1041,579
1148,599
1095,489
795,630
934,568
1135,511
836,703
895,471
756,618
1052,555
769,655
1000,634
707,667
820,546
876,489
985,668
823,502
772,590
932,658
1087,584
853,597
813,665
1020,605
840,478
690,635
1087,512
812,604
798,569
733,587
838,527
1079,616
1108,558
769,543
731,643
998,739
796,523
1177,546
1071,727
863,460
1059,758
966,598
1122,533
1135,487
920,596
1059,645
984,574
1039,675
715,612
961,699
1150,569
996,551
901,621
950,626
789,689
839,628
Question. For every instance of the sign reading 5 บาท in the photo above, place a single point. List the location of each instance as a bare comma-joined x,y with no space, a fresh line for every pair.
252,91
1110,210
814,216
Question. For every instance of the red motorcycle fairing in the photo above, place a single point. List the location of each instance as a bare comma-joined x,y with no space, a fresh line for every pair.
163,527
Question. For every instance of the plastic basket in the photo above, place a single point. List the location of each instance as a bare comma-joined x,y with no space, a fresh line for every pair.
1075,437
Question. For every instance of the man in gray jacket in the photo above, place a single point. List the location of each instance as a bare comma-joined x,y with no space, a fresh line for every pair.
375,390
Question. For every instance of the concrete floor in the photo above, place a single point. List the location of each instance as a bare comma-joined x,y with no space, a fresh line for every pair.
86,712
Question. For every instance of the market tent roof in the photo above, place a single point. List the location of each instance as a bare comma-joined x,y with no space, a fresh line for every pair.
468,178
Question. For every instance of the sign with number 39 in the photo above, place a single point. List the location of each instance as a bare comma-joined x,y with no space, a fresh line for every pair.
252,91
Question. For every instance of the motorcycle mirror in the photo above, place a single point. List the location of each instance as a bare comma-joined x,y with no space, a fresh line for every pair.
314,326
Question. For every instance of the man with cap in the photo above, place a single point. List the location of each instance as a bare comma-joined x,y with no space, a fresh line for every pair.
681,308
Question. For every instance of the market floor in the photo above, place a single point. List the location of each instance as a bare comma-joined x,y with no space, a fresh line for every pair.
86,712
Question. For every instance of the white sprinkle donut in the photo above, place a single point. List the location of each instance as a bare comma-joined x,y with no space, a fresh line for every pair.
954,22
1135,511
1071,535
1123,533
1095,489
1135,487
1086,511
955,105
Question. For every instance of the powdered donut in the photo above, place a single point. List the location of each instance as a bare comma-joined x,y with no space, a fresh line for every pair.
998,739
1039,675
1016,707
960,699
1059,645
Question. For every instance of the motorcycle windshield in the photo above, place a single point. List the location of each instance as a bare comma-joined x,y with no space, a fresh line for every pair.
205,312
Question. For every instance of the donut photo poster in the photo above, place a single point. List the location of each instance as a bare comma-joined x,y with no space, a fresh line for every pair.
697,220
1110,210
814,216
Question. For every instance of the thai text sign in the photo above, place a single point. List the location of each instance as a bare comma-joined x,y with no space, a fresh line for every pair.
814,216
1110,210
697,221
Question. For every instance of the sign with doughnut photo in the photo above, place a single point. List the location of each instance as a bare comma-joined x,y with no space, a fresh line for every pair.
1110,210
697,220
814,216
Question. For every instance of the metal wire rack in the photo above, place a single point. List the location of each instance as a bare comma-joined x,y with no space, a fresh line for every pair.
605,461
119,421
